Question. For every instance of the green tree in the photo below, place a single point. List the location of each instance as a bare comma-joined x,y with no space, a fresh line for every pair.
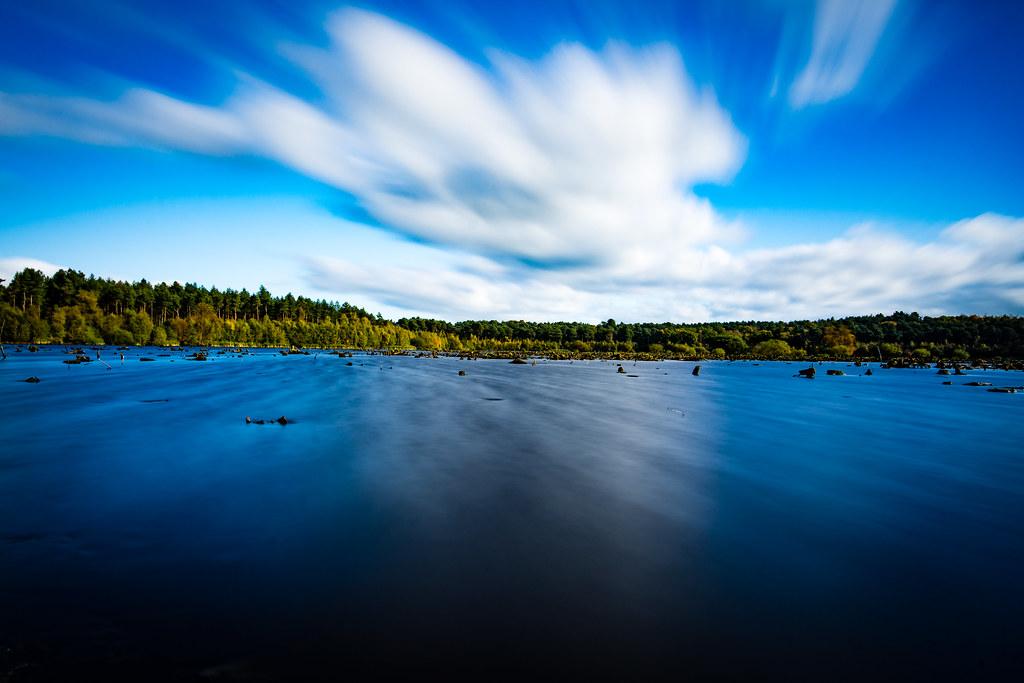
889,350
205,324
839,341
159,336
140,325
772,348
27,288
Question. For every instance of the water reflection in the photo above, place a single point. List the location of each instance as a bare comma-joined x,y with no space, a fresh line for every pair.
730,523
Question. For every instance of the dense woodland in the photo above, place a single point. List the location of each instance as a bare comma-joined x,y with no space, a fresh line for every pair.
74,309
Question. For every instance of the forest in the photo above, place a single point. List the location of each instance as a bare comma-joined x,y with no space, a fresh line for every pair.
71,308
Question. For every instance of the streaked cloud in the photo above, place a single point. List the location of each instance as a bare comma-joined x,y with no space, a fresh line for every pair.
975,265
583,157
555,188
846,33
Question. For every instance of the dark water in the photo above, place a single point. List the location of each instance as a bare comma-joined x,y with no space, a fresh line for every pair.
521,521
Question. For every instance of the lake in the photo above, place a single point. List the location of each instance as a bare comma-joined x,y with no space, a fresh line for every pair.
520,521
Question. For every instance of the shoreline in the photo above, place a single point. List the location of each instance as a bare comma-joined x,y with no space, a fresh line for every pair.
902,362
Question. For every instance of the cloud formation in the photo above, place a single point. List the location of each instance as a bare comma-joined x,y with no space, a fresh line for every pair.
563,187
846,33
10,266
582,157
976,265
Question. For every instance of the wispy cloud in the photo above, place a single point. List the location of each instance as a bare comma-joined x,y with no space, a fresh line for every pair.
582,156
846,33
555,188
975,265
11,265
577,157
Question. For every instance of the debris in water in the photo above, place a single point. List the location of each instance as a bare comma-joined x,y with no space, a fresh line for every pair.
281,421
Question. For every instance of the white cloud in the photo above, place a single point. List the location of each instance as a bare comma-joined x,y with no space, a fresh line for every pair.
139,116
581,157
972,265
975,265
575,158
11,265
555,189
846,33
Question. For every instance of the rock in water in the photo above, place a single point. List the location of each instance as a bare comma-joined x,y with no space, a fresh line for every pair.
696,370
462,373
808,373
518,361
281,420
868,372
837,373
622,370
32,380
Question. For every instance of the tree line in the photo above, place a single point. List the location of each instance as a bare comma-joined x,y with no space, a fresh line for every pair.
72,308
866,337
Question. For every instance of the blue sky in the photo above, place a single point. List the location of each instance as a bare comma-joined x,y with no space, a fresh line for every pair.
546,160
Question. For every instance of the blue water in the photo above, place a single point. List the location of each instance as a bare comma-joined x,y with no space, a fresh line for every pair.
520,520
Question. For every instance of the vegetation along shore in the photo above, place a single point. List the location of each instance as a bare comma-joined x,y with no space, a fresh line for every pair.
72,308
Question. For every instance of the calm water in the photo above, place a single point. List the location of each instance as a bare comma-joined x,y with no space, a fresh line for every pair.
520,520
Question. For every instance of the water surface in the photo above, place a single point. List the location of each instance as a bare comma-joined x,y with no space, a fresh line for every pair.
521,520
